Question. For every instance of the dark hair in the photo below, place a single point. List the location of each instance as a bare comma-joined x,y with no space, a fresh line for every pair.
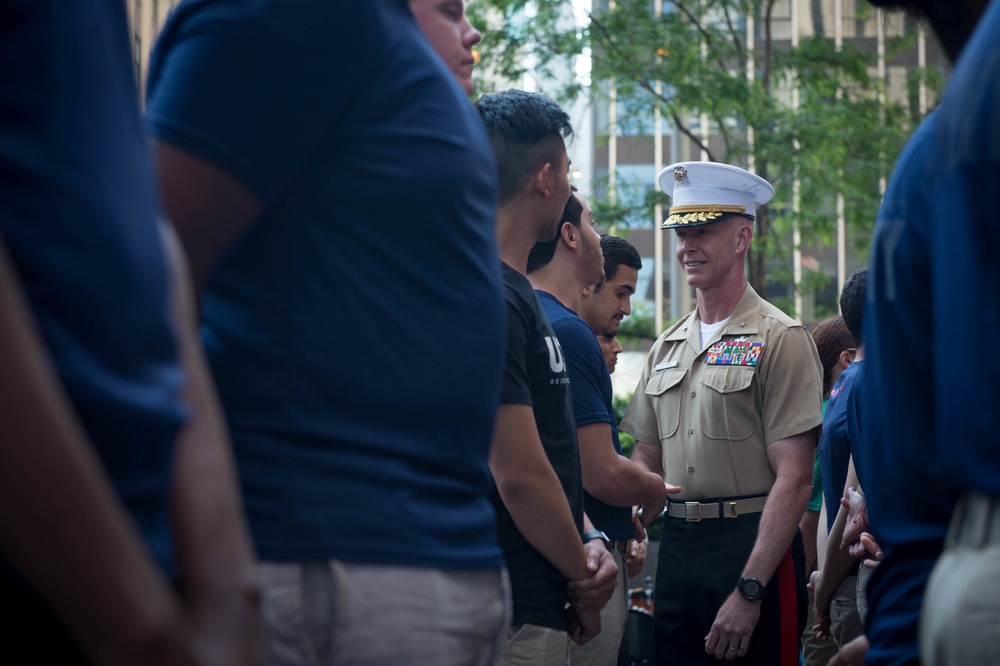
852,302
527,130
543,251
832,338
953,21
617,252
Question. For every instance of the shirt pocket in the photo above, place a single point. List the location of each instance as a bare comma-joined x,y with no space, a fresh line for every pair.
664,386
729,407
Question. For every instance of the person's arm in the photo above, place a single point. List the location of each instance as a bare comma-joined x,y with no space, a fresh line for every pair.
649,459
821,537
837,562
612,478
590,595
207,206
216,566
635,558
532,493
809,526
61,524
594,592
792,461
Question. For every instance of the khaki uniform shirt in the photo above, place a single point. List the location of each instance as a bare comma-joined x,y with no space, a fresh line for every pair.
713,411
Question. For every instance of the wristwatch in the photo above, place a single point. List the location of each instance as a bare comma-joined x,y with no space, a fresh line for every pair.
597,534
751,588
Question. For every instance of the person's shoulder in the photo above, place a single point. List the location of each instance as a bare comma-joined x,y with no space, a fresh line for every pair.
677,330
575,333
553,309
776,319
518,291
849,377
569,321
318,27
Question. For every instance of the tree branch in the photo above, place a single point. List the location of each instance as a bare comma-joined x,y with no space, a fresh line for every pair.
684,129
726,141
737,45
648,86
768,46
709,42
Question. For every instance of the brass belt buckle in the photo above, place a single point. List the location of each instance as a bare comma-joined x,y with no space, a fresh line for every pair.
692,512
733,513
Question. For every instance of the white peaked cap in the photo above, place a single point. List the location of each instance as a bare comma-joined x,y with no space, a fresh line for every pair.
705,192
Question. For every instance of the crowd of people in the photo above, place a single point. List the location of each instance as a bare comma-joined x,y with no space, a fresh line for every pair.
195,471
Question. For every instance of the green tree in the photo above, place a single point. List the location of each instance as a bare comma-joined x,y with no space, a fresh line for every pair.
692,60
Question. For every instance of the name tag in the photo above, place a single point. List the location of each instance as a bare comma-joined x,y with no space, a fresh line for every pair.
666,365
733,352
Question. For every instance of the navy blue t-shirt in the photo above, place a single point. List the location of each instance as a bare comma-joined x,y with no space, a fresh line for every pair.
590,386
834,449
907,518
931,311
355,331
78,217
535,374
965,268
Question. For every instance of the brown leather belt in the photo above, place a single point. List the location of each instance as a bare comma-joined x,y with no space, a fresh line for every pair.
695,512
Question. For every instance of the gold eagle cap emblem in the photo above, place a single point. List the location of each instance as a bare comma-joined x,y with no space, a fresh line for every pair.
679,173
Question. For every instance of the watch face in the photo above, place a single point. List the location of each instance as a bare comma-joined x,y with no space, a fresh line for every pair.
751,588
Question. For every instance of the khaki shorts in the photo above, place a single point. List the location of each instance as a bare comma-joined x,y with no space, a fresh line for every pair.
338,614
960,620
602,650
532,645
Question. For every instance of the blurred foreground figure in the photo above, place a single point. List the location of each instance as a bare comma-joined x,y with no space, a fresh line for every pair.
932,300
326,173
121,531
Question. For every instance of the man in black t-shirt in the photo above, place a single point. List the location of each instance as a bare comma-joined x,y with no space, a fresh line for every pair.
553,554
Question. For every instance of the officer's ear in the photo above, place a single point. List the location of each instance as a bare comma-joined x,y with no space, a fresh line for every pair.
744,234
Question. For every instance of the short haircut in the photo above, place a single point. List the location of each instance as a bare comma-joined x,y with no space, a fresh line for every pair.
617,252
527,130
832,338
852,302
543,251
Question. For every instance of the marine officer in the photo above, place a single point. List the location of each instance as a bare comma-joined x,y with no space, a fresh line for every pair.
728,408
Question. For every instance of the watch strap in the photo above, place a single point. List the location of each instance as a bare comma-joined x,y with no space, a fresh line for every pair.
597,534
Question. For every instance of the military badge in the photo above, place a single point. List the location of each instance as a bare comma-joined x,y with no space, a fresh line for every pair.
732,352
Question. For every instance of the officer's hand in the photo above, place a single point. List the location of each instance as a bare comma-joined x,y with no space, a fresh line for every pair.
734,624
593,592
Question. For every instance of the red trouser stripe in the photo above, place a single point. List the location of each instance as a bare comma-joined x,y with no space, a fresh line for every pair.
788,603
